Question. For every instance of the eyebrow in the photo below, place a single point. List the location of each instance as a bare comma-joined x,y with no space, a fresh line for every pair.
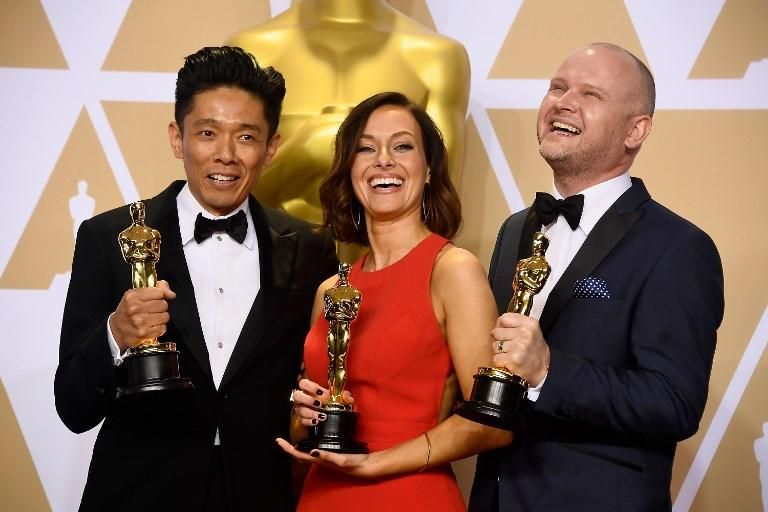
210,120
396,134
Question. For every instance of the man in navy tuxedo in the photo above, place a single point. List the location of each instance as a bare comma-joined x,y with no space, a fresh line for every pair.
619,345
238,283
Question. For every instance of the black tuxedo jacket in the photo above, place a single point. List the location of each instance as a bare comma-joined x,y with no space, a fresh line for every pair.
629,374
153,451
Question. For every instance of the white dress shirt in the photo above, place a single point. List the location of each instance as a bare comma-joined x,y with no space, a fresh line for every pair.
565,242
226,278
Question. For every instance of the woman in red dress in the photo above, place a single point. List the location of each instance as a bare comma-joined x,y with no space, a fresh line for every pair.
426,313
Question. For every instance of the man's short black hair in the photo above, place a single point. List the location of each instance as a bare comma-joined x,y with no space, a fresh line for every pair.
227,66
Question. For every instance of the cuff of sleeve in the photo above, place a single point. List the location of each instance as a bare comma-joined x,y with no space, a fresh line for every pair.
533,393
117,358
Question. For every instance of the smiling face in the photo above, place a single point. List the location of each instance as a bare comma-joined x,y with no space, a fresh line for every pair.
590,123
224,145
390,166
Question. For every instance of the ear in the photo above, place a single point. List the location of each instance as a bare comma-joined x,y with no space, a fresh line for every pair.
639,131
272,146
174,137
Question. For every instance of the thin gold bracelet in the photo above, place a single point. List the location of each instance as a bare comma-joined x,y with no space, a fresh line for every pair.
429,452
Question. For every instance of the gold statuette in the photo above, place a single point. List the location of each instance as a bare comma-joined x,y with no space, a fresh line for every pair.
150,365
341,304
498,395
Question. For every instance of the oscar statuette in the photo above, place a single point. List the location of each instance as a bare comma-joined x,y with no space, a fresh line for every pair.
341,303
151,365
499,397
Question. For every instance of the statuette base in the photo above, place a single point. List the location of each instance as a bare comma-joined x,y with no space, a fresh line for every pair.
152,368
498,399
335,434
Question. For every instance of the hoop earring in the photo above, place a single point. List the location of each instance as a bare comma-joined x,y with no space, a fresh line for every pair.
424,200
355,222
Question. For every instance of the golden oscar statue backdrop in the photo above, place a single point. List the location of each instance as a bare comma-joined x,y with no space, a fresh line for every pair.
86,89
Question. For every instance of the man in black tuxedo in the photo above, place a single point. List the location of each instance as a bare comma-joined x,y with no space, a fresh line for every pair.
235,298
618,348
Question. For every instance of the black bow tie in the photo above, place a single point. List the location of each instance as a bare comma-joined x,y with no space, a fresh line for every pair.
235,226
548,208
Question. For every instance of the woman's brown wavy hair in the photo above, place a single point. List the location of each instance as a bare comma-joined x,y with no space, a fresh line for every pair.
441,202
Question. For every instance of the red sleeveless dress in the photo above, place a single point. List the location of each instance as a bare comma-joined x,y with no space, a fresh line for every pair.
397,364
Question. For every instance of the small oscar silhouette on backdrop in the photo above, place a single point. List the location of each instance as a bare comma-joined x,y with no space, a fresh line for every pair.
151,365
341,304
498,396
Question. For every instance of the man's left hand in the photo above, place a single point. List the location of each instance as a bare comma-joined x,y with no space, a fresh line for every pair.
519,346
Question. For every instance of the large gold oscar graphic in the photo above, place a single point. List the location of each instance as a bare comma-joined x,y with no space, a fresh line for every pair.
498,396
341,303
151,365
344,51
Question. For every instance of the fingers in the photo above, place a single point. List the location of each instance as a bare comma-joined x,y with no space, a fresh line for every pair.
313,389
141,314
519,346
307,402
339,461
168,294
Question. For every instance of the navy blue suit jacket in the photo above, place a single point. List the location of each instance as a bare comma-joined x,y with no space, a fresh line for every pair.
153,451
629,374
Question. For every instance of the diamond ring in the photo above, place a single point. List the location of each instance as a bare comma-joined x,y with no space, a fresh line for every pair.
500,346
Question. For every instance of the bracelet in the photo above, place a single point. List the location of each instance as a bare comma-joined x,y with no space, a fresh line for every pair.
429,452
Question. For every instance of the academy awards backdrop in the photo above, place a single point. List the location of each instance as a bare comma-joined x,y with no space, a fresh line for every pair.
86,91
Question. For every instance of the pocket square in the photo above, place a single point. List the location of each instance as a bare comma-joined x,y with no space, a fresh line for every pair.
591,288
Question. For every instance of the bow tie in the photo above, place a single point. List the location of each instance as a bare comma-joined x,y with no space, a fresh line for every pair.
548,208
235,226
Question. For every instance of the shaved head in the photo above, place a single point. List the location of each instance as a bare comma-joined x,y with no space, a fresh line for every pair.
646,86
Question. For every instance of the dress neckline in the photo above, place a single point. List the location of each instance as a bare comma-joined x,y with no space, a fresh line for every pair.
413,250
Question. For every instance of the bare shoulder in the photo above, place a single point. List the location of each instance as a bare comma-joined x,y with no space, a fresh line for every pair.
456,266
326,284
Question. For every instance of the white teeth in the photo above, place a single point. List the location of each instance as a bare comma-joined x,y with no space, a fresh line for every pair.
563,126
389,180
221,177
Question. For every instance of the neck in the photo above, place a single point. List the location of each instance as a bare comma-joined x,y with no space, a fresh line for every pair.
391,241
342,11
569,182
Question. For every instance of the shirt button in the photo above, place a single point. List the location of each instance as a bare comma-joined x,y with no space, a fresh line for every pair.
218,237
220,345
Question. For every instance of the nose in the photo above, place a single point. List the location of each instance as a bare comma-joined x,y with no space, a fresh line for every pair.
225,150
567,101
384,160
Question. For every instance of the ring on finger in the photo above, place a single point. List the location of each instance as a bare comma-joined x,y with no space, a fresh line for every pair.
500,346
291,397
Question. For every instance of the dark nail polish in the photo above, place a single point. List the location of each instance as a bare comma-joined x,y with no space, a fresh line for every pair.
315,453
314,421
322,416
316,403
319,392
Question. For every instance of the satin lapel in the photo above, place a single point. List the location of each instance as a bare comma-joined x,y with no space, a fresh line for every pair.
608,231
277,252
517,237
173,268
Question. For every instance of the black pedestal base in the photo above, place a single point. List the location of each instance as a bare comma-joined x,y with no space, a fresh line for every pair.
497,400
151,371
335,434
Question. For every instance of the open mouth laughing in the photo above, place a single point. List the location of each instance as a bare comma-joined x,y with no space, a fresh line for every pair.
565,129
385,182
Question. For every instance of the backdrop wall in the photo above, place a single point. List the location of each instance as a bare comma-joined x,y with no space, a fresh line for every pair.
86,91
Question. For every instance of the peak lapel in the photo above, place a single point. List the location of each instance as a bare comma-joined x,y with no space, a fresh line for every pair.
173,268
608,231
277,252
